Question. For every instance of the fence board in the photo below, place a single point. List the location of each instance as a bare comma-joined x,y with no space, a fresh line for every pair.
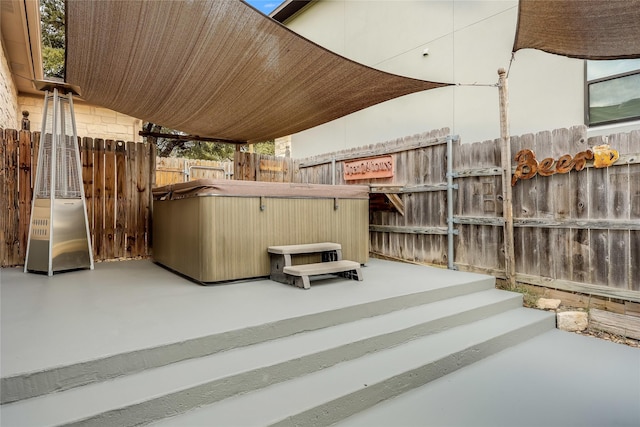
414,243
109,198
121,202
598,209
420,203
132,207
151,183
560,191
407,241
634,177
579,209
150,159
634,213
4,197
396,240
463,252
86,158
519,211
544,205
619,203
634,256
492,206
12,206
98,197
252,169
142,155
524,207
619,257
440,175
580,255
474,205
634,235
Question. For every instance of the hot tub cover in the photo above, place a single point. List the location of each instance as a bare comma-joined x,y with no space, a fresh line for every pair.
212,187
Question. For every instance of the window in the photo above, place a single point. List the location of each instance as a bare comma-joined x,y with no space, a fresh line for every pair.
613,91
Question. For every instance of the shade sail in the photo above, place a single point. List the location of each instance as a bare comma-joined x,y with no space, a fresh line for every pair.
589,29
215,68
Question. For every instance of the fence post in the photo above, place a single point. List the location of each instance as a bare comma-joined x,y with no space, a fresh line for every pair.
505,155
450,187
24,190
4,197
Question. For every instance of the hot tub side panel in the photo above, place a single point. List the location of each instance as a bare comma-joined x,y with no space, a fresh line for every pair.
222,238
238,230
177,235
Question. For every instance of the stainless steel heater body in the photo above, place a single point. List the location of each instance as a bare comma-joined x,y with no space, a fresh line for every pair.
59,238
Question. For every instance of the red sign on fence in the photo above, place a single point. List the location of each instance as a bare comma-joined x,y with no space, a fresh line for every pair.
375,167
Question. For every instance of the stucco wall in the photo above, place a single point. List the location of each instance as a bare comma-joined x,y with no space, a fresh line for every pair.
468,41
9,114
91,121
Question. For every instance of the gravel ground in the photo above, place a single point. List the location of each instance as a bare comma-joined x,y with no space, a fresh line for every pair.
530,300
610,337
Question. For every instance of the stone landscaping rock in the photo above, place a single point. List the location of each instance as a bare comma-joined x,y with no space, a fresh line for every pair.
572,321
548,304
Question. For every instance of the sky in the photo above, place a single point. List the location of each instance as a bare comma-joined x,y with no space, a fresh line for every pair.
265,6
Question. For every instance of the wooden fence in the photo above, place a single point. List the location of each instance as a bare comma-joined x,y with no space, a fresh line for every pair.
171,170
578,231
261,167
581,227
117,178
417,188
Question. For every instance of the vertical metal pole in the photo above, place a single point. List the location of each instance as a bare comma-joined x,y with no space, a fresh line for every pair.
76,149
39,167
450,187
505,154
64,185
333,171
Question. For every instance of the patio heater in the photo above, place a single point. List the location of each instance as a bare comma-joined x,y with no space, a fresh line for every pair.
59,237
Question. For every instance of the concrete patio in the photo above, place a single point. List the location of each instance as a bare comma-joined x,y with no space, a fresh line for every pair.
131,343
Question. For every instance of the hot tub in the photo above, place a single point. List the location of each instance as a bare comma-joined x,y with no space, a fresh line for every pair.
217,230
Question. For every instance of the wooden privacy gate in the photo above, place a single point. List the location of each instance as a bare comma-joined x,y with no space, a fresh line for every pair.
578,231
117,178
171,170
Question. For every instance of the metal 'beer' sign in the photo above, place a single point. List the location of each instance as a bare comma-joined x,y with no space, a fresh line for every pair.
528,166
374,167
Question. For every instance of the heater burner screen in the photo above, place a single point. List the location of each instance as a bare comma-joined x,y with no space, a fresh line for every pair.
67,177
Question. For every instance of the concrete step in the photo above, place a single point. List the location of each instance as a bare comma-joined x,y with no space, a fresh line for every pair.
278,324
172,389
325,397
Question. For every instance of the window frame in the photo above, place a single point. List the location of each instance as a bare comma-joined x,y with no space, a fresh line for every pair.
587,97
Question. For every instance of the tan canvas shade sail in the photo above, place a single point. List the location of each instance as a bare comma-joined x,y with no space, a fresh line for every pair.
215,68
589,29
